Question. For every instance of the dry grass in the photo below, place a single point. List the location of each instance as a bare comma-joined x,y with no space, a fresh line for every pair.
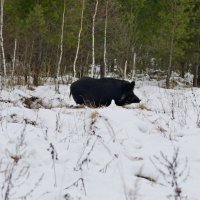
94,115
16,158
198,124
143,106
32,102
148,178
162,130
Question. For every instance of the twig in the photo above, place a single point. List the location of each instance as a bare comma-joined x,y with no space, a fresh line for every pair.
75,184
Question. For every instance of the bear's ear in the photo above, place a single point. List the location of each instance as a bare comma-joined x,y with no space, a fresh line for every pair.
127,86
133,84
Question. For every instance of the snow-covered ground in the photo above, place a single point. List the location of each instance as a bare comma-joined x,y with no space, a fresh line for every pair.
52,150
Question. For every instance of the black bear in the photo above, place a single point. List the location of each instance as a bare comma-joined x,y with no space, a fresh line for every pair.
100,92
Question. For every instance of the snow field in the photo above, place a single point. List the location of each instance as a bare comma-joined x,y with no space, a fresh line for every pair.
55,150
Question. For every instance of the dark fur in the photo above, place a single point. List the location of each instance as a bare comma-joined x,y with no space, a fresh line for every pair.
100,92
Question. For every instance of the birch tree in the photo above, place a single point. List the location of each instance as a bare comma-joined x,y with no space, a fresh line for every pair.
61,49
79,38
125,69
1,38
173,9
14,59
61,41
134,65
105,40
93,30
171,51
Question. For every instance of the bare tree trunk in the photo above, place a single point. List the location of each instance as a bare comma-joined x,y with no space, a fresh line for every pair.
196,72
196,68
105,42
93,29
1,39
79,38
169,70
25,61
14,59
28,63
183,66
134,65
61,49
174,24
198,78
102,69
37,61
195,79
125,69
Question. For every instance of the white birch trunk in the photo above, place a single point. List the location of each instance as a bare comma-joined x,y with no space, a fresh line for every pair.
61,42
79,38
134,66
125,69
171,51
105,42
93,29
61,50
169,70
1,39
14,58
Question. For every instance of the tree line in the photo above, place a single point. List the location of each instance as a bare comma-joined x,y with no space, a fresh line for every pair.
51,38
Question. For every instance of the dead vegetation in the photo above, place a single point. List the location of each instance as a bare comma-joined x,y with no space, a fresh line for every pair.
148,178
141,106
36,103
173,172
32,102
161,129
198,124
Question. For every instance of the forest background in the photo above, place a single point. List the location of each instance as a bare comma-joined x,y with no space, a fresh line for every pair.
51,38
